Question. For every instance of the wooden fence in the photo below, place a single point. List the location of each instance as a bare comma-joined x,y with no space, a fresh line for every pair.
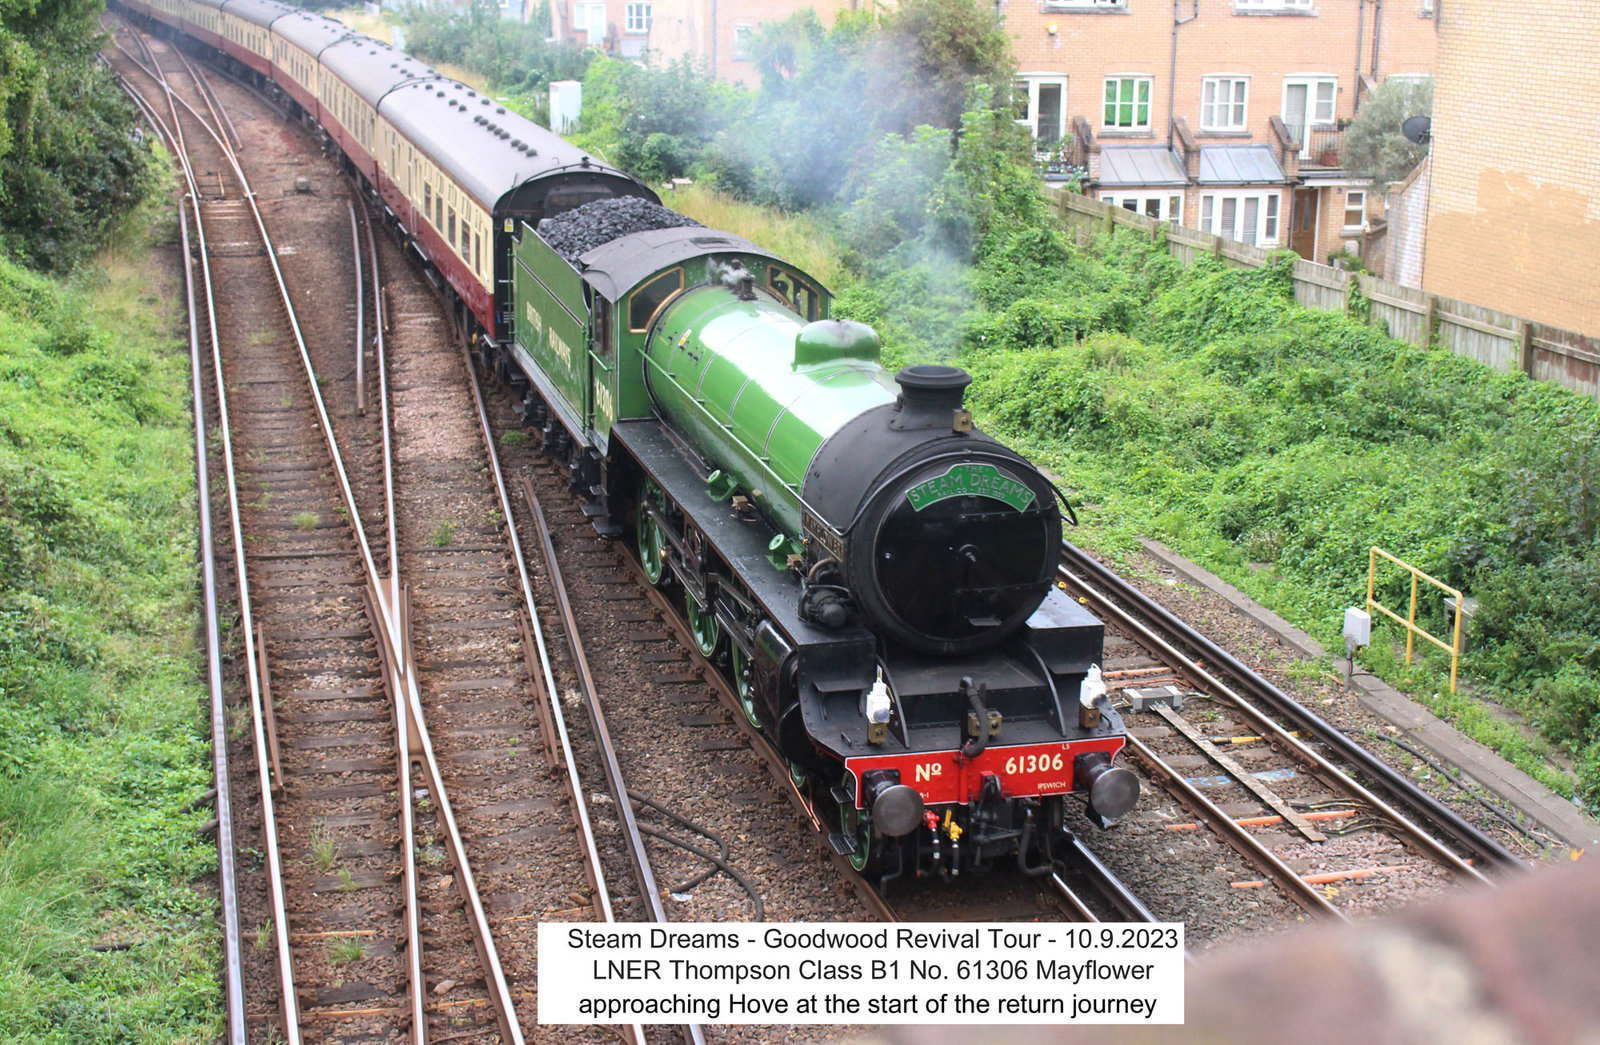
1497,339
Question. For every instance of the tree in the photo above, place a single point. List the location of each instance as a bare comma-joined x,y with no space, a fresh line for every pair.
1373,145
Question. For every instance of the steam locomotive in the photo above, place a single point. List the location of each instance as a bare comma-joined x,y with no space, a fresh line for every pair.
873,572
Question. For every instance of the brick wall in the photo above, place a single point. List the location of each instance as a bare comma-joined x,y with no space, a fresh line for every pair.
1514,212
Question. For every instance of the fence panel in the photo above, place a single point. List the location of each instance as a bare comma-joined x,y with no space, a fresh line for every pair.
1493,338
1402,311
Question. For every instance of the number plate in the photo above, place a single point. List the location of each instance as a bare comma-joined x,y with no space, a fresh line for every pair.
1025,770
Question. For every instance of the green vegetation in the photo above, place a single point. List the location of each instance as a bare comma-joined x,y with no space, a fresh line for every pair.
105,918
515,58
1276,444
1200,406
443,534
72,157
1373,145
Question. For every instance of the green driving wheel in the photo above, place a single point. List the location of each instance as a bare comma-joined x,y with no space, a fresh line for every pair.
652,543
743,682
854,824
703,625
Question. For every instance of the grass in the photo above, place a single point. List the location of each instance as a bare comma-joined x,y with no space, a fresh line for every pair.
322,847
344,952
104,750
801,238
307,520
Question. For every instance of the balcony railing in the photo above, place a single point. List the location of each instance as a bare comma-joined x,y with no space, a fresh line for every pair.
1325,148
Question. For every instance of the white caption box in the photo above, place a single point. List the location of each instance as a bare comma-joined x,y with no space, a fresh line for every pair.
836,972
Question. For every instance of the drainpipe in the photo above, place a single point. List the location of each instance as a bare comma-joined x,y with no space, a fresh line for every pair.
1377,37
715,75
1172,72
1361,25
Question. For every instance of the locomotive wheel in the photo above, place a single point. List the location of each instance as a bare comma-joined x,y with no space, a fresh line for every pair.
743,683
855,826
652,544
703,625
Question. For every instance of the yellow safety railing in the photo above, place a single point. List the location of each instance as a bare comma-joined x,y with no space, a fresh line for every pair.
1453,647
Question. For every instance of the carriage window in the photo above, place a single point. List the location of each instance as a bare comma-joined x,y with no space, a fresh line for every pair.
648,299
797,293
450,234
427,199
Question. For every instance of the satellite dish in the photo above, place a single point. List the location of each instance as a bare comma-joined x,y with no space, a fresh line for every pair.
1417,129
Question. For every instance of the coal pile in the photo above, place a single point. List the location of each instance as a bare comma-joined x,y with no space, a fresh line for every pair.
584,228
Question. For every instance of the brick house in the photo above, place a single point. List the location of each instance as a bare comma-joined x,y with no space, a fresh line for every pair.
716,31
1223,115
1516,229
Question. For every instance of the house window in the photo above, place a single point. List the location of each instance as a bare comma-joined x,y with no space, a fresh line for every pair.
1085,5
1426,10
637,18
1127,103
591,20
1272,5
1355,208
742,36
1164,206
1223,103
1038,103
1247,217
1307,103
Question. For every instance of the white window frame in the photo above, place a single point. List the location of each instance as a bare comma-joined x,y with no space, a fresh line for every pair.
1226,213
1085,5
1315,119
1426,9
1235,110
1275,6
1034,81
583,16
1167,203
637,17
1361,194
1134,79
743,33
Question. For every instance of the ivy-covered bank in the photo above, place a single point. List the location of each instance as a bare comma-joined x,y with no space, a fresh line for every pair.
105,908
1276,444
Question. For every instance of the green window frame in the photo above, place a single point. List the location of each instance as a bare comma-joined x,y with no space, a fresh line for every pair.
649,298
1127,103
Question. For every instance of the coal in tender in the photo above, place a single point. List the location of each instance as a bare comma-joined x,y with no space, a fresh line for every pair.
584,228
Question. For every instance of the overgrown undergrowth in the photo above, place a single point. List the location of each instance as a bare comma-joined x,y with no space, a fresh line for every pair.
1277,444
105,931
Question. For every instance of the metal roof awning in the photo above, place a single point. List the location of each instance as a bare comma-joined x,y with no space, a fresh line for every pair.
1132,166
1240,165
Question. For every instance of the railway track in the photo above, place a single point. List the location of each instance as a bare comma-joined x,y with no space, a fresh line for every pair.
349,774
1326,822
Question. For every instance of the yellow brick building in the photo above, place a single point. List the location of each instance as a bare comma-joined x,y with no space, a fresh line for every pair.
1517,229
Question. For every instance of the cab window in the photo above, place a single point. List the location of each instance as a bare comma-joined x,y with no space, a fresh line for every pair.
797,294
650,297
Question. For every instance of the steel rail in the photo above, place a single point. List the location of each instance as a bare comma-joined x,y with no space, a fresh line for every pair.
391,626
233,960
777,765
397,665
1234,833
291,1015
1303,719
591,849
649,891
361,317
1110,886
